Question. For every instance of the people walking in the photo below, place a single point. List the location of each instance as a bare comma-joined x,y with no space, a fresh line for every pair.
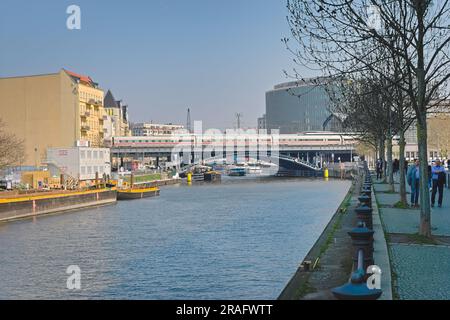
438,177
379,168
413,178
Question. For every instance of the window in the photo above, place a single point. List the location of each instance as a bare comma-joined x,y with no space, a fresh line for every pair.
95,169
407,154
95,154
89,154
89,169
101,154
82,154
83,170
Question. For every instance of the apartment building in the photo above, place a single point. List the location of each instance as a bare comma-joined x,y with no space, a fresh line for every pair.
52,110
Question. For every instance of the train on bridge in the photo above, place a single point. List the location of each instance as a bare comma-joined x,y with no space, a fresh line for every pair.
308,139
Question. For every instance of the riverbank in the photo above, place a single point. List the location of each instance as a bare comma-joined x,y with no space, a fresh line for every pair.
420,265
21,206
329,263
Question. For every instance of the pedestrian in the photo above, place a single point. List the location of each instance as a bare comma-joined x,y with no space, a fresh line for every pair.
413,178
406,166
379,168
429,177
438,177
342,169
395,166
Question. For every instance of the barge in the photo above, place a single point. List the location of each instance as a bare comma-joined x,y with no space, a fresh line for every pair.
137,193
20,206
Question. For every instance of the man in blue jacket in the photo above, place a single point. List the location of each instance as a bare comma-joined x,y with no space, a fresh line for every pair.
438,177
413,178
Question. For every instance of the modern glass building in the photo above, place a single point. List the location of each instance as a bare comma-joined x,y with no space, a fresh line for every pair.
300,106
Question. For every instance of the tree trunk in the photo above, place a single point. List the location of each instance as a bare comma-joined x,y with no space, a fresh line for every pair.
390,174
401,170
382,157
425,209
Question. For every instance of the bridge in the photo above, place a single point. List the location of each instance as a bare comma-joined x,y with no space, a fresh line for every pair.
292,151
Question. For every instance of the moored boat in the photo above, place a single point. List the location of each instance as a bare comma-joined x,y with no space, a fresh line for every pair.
236,172
137,193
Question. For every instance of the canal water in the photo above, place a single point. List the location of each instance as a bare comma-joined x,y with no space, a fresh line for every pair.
241,239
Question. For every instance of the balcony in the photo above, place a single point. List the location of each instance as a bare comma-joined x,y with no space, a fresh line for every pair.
85,114
85,128
94,102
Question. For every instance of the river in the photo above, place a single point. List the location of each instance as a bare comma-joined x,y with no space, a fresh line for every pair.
240,239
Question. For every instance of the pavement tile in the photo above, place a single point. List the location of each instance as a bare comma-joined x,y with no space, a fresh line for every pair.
422,271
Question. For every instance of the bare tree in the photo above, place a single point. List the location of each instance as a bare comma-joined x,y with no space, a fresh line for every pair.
336,37
11,148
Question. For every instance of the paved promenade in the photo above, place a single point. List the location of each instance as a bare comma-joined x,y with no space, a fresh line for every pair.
420,267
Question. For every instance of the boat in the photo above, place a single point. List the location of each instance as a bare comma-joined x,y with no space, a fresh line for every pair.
137,193
198,176
253,168
213,176
236,172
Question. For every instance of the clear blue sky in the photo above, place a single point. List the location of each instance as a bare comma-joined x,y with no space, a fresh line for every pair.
160,56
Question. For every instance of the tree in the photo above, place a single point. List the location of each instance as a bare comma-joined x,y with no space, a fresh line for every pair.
336,37
11,148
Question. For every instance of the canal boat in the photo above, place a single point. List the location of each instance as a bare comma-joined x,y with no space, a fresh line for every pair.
137,193
198,176
212,176
236,172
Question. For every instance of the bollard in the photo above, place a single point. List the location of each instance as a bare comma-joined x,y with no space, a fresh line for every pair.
367,192
357,288
365,200
362,238
364,214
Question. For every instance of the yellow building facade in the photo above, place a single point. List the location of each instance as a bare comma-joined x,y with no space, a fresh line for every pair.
52,110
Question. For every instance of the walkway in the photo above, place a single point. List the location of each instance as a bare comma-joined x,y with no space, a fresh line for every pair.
420,267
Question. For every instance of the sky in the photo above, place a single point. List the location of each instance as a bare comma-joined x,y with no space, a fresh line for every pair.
160,57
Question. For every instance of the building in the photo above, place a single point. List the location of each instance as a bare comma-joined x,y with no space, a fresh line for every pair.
154,129
438,135
82,163
262,123
52,110
118,114
300,106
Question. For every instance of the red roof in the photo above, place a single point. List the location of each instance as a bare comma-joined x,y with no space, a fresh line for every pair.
80,76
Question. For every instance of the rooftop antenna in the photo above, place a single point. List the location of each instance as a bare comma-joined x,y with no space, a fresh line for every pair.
188,121
238,119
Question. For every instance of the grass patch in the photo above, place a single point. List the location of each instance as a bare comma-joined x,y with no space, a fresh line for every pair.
337,225
388,192
401,205
145,178
419,239
304,289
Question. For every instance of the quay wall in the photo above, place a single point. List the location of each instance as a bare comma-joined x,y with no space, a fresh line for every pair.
35,205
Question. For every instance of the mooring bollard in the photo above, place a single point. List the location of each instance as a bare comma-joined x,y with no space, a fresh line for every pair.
364,214
357,288
365,200
367,191
362,239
